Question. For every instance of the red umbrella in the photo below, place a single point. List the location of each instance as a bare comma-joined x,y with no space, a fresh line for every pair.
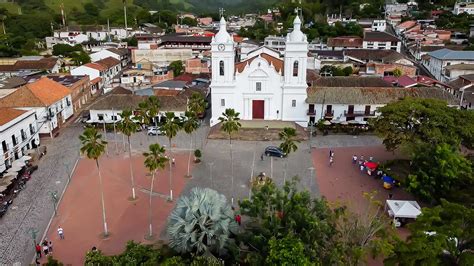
371,165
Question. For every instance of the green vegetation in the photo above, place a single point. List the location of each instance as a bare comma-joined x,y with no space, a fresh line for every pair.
336,71
443,235
177,67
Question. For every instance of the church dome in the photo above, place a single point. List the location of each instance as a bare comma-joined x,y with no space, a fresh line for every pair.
296,35
222,36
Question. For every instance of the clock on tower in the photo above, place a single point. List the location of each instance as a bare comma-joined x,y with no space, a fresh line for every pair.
221,47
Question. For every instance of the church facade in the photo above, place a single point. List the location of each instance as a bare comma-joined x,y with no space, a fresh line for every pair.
264,86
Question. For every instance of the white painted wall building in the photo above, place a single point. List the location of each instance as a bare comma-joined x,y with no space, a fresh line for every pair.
463,7
261,87
438,60
18,132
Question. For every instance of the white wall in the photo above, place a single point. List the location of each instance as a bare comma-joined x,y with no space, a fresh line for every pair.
103,54
340,108
13,128
84,70
382,46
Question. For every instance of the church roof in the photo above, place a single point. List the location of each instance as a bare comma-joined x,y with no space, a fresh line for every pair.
276,62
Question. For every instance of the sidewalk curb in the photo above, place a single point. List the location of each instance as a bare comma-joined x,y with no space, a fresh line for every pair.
57,204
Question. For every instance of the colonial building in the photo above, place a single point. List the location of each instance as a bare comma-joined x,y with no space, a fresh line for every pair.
263,86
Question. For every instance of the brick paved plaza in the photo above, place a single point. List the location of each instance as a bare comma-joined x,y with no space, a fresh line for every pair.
79,213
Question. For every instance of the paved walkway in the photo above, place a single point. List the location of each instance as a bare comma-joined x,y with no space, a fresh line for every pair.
32,209
80,212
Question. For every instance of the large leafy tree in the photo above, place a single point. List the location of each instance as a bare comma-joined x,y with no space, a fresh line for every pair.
177,67
288,145
443,235
439,172
287,251
280,212
154,159
414,120
93,147
230,124
197,103
171,129
201,222
128,127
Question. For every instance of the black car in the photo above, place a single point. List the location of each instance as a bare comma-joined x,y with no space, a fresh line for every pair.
274,151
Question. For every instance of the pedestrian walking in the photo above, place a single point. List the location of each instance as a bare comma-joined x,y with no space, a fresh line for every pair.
37,262
354,159
173,161
362,168
261,157
362,157
60,232
50,247
238,219
331,160
38,251
371,159
331,153
45,249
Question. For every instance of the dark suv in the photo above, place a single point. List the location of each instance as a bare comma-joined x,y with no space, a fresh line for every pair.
274,151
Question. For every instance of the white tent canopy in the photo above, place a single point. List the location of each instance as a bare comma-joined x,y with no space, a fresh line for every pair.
404,208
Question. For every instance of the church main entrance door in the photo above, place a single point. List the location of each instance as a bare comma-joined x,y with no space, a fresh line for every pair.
258,107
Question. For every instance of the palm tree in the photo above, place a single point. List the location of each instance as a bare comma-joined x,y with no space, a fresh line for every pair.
230,124
200,223
154,159
190,125
288,145
171,129
153,108
128,126
197,103
93,147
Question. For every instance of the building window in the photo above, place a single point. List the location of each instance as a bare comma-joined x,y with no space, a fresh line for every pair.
68,103
393,43
222,102
32,129
221,68
258,86
295,69
293,103
100,117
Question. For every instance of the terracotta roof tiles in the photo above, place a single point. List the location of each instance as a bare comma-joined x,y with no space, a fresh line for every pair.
277,63
8,114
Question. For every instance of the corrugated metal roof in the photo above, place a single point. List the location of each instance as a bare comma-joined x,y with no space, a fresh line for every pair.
448,54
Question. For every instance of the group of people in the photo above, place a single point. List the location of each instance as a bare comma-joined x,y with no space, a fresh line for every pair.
331,157
46,247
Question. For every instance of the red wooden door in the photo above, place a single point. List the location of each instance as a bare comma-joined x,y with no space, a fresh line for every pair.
258,107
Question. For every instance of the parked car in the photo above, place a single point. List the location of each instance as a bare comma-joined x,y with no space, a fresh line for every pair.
274,151
153,131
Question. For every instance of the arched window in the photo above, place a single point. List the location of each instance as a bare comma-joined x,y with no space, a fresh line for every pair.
221,68
295,69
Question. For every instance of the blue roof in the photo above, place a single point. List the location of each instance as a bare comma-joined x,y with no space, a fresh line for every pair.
452,55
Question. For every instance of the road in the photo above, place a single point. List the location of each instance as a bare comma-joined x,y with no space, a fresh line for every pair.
31,211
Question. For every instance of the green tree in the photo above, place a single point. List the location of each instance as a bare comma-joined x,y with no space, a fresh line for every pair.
177,67
189,21
196,103
96,257
190,125
439,172
397,72
281,212
230,124
288,145
80,58
171,129
201,222
442,235
154,159
93,147
128,127
287,251
138,254
415,120
53,262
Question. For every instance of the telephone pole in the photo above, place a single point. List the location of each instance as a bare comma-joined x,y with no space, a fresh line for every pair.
125,15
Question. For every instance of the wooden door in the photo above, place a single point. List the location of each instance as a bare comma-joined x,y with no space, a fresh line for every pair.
367,109
351,109
258,109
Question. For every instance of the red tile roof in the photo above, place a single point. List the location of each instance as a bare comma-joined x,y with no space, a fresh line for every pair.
96,66
108,62
41,93
8,114
277,63
345,41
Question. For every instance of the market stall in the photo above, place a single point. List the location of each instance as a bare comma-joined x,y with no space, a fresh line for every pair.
400,210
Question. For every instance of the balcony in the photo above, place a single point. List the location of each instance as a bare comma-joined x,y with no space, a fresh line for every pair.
358,113
328,113
311,112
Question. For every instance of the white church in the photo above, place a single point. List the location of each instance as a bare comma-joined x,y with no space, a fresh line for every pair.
263,86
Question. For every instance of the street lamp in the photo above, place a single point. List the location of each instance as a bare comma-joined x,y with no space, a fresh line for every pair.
311,128
54,199
311,171
210,173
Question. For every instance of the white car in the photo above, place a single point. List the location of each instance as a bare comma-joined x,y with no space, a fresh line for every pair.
153,131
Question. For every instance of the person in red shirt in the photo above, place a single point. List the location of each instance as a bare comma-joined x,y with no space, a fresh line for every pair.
38,250
238,219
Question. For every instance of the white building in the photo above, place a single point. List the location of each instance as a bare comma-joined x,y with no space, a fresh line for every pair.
381,40
263,86
275,42
437,61
120,54
18,132
379,25
50,100
103,70
464,7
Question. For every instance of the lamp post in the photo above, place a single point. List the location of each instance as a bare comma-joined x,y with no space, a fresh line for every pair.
311,128
311,171
54,199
